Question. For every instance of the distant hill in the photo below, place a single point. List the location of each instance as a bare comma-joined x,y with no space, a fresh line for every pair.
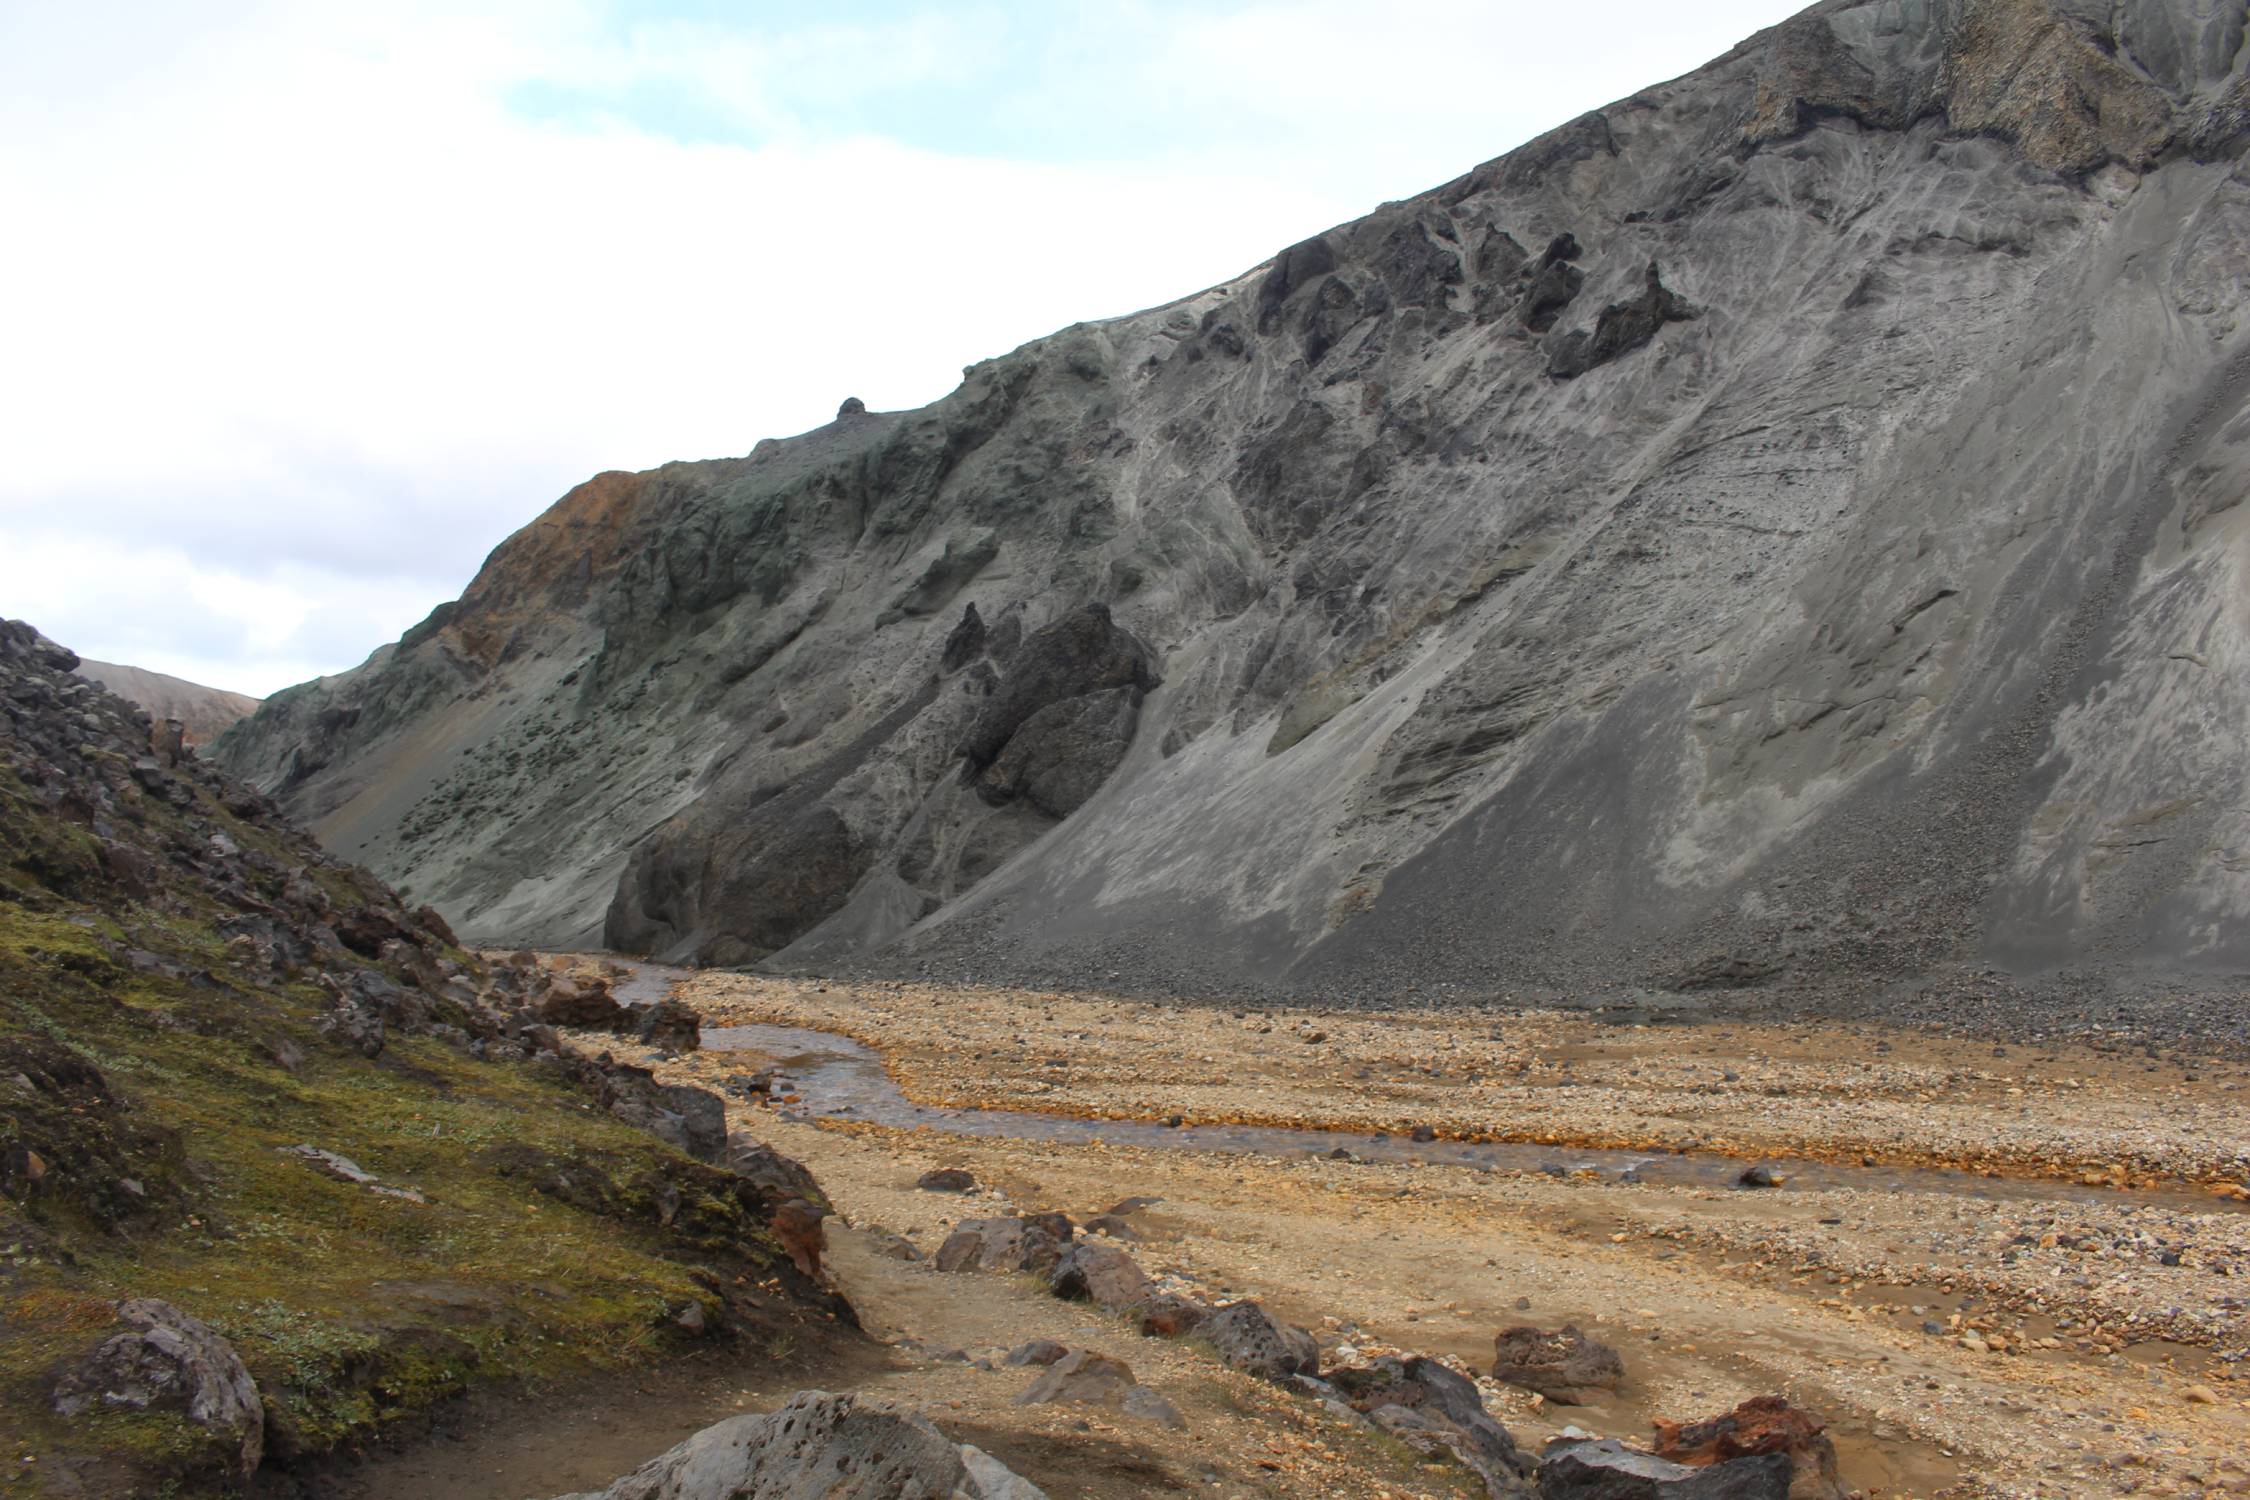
202,711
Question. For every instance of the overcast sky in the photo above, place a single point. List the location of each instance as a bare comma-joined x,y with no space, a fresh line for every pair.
305,306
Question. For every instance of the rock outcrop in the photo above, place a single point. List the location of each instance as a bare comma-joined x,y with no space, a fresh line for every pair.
1780,525
164,1358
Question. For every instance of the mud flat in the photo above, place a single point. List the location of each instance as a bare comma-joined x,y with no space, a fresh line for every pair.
2070,1326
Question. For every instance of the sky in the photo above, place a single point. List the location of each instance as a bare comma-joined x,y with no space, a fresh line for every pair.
305,306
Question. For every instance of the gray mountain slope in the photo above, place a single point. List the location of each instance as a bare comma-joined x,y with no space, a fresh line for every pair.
1780,529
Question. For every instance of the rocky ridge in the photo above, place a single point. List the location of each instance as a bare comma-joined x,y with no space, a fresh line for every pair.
1770,536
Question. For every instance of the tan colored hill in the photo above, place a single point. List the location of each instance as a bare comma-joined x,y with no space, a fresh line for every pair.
204,712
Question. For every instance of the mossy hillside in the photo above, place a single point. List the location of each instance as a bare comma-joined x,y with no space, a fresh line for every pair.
147,1116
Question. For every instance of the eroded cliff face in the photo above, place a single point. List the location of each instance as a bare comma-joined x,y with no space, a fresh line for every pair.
1781,526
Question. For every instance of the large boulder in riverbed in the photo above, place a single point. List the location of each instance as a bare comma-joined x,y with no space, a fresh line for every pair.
1561,1364
165,1360
822,1447
1608,1470
1255,1342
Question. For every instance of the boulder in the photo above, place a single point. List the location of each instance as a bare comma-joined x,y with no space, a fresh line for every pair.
670,1026
1253,1341
780,1177
1761,1425
1083,1377
166,1360
1007,1244
822,1447
946,1180
1168,1315
1561,1364
1035,1352
1100,1274
1436,1409
963,1248
1608,1470
587,1006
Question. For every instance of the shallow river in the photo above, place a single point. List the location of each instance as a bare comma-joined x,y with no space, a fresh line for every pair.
836,1078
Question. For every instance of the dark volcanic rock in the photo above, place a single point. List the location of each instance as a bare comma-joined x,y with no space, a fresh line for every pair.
1553,286
583,1006
1608,1470
1083,652
1100,1274
1252,1340
1434,1408
1562,1364
1759,1426
1005,1245
1621,328
1168,1315
1061,755
946,1180
669,1025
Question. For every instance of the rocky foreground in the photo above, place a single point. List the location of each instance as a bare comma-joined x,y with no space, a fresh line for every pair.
2070,1327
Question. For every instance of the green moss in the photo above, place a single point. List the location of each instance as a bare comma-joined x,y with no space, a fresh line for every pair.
352,1308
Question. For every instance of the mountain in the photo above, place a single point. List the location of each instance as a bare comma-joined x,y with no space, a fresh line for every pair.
1777,531
203,712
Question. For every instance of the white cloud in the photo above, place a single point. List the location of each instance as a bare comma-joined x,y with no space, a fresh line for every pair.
303,317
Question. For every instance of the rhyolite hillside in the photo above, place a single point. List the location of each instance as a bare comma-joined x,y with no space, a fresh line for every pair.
283,1168
1777,530
203,712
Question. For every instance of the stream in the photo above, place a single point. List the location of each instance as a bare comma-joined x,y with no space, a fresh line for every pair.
837,1078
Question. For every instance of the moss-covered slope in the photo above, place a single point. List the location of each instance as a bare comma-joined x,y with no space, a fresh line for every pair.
190,993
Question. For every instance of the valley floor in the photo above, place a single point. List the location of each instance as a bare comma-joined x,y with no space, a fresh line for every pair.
2015,1271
